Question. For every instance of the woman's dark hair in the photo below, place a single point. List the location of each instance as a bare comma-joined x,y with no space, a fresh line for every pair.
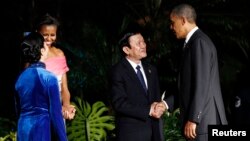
31,47
45,20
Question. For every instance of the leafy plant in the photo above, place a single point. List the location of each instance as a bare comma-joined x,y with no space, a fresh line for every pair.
172,130
7,130
91,123
9,137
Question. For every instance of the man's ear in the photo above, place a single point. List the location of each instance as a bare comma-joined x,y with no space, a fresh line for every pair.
125,49
183,20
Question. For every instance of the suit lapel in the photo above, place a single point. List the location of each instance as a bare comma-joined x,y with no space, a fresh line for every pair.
193,37
130,70
148,72
132,74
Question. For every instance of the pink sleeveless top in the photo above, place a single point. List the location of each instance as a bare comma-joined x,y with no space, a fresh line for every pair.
58,66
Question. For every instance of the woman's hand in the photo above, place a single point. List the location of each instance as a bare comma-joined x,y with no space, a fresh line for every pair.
68,111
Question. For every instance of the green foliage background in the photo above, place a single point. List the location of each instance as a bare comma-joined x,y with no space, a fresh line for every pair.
91,123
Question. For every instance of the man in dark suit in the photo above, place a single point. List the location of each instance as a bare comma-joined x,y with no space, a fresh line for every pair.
200,99
137,105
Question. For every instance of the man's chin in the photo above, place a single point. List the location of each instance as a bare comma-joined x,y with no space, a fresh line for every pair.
144,56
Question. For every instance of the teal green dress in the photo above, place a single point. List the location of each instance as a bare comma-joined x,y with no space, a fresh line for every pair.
40,106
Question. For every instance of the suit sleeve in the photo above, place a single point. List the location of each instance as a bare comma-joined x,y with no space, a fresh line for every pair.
58,125
200,63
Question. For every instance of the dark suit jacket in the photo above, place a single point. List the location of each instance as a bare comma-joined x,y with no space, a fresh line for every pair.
132,104
200,98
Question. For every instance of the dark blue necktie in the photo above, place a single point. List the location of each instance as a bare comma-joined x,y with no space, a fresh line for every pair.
140,76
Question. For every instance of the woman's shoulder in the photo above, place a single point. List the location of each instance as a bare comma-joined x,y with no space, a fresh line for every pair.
56,52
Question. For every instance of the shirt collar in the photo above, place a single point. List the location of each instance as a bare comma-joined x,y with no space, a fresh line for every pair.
134,65
191,33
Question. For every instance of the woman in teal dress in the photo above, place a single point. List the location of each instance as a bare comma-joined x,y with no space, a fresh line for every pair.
38,92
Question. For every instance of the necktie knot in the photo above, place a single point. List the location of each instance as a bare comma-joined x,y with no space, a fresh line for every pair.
138,67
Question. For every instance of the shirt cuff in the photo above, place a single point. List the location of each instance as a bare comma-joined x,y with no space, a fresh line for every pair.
165,104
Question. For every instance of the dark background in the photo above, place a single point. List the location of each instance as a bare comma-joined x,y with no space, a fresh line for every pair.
89,25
